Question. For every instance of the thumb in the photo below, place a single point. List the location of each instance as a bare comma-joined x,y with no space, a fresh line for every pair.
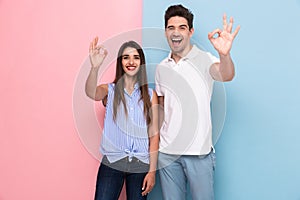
144,184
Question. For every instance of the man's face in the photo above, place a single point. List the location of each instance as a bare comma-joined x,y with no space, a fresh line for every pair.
178,35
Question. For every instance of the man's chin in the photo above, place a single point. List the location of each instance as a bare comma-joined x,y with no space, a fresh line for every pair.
176,50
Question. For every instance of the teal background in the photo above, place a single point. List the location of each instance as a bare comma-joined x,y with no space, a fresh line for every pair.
258,150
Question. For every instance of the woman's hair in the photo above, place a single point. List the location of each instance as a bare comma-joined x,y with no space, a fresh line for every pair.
141,78
180,11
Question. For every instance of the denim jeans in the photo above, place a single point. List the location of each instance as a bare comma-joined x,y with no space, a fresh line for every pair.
176,171
111,177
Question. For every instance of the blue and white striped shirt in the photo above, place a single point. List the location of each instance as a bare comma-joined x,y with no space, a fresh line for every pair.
127,135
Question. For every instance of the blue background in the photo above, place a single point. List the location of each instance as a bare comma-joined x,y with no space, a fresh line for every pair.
258,151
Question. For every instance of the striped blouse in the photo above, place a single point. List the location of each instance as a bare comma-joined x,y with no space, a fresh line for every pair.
127,135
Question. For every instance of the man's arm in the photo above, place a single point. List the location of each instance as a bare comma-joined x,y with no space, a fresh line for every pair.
160,111
223,71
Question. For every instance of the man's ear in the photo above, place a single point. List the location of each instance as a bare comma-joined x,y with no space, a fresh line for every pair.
191,32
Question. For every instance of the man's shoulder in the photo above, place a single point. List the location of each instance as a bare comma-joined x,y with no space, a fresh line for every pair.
164,61
196,51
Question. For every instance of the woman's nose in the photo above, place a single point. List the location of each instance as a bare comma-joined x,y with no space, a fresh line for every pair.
131,61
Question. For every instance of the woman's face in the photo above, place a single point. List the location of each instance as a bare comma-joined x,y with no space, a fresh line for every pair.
131,61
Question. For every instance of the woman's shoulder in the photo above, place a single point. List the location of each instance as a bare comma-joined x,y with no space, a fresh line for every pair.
110,86
152,93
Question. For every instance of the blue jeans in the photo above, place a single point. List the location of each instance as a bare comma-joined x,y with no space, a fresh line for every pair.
176,171
111,177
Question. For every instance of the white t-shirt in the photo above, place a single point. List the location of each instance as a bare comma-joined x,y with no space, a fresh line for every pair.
187,88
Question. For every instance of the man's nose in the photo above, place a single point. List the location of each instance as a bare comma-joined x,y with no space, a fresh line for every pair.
176,32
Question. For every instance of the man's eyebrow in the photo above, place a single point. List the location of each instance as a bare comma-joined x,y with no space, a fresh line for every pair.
182,25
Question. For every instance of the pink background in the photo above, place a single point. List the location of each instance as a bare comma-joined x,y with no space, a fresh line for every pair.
43,45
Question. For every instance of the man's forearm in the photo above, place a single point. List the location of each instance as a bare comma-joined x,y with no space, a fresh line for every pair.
225,69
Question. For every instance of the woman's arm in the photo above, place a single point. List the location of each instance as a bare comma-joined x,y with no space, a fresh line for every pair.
97,55
149,180
93,91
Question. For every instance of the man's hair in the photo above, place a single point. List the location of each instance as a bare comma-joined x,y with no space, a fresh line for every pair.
180,11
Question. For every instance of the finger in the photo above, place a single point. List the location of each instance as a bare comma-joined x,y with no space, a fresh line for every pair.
149,186
144,193
102,50
105,52
92,44
213,33
229,28
95,40
101,47
147,190
224,22
91,47
236,31
144,188
144,185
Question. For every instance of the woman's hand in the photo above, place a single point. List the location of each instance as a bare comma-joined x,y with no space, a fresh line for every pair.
148,183
97,53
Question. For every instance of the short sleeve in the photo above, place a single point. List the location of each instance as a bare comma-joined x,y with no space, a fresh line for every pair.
158,87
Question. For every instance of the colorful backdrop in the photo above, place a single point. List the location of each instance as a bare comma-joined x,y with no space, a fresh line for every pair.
50,131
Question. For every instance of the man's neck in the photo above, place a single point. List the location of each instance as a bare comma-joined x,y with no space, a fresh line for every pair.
177,56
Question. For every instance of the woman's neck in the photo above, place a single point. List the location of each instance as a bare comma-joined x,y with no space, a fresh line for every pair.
129,83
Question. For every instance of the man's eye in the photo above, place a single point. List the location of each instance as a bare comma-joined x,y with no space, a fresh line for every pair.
183,27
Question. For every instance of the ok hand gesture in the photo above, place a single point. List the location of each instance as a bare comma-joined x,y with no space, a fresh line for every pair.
97,53
223,42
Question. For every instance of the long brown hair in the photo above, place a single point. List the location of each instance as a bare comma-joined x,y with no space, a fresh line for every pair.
141,80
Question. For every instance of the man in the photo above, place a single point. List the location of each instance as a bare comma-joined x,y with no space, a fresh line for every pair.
184,83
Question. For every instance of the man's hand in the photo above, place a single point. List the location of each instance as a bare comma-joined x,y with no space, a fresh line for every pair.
97,53
223,42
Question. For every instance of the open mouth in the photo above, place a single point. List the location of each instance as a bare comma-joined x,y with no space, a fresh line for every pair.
176,41
130,68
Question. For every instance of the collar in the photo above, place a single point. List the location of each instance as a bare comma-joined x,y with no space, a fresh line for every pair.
192,53
135,88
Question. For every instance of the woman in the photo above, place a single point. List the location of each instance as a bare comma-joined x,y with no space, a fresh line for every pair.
130,136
